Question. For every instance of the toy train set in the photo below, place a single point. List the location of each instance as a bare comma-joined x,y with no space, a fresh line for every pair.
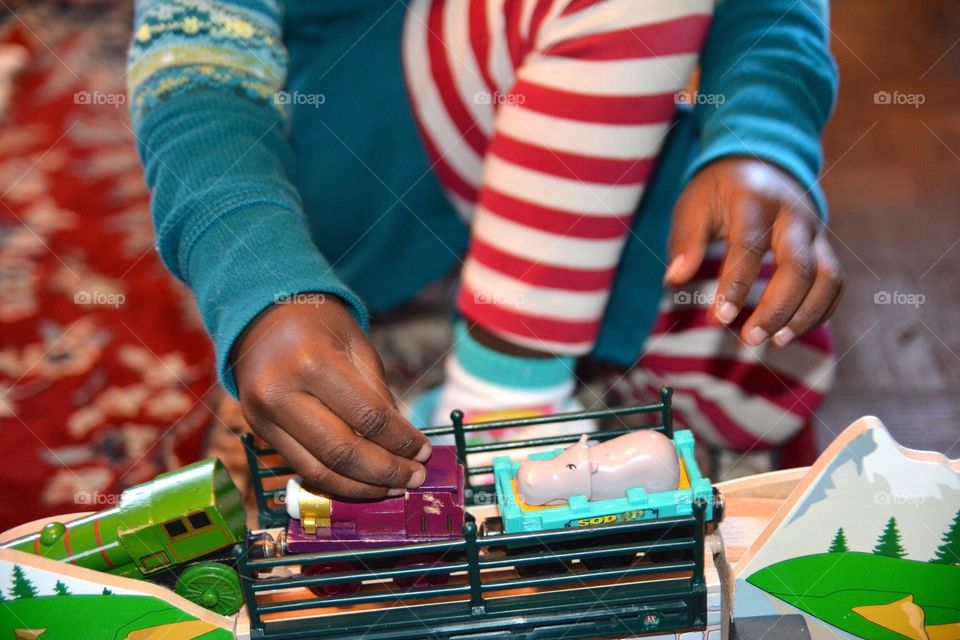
579,542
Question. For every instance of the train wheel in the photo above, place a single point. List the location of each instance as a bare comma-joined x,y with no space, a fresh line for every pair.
213,586
719,506
421,581
326,590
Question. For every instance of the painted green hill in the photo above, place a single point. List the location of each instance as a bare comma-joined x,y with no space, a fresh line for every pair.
829,585
92,617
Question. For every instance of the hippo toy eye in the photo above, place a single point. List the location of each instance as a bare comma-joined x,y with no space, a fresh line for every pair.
571,467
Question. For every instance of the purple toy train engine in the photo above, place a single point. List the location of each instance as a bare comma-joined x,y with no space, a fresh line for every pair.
434,511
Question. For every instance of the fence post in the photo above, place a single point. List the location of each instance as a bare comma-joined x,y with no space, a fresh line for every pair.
699,512
699,585
473,568
240,552
666,410
456,417
253,464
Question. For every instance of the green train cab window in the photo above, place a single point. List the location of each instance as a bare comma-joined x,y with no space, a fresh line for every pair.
199,520
175,528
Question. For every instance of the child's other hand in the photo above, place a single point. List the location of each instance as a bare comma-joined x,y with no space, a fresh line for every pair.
757,207
312,385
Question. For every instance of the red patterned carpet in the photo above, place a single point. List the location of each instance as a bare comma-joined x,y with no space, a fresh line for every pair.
105,374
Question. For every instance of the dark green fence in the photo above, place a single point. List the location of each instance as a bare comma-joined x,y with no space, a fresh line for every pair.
592,602
271,512
479,602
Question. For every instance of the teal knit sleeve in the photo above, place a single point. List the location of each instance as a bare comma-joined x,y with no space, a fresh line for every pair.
203,76
767,87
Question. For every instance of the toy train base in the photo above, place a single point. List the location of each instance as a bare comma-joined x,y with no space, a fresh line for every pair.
626,566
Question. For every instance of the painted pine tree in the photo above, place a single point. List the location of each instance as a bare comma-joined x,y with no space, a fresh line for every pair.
888,544
61,589
839,544
949,551
22,587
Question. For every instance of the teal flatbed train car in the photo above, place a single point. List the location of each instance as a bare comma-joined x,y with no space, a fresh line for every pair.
578,511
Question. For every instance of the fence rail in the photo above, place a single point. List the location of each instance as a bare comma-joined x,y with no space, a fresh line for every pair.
271,512
481,601
472,555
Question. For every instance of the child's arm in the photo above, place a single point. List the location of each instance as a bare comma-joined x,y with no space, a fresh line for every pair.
768,84
202,78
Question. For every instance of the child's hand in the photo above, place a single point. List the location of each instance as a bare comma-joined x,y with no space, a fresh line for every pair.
312,385
757,207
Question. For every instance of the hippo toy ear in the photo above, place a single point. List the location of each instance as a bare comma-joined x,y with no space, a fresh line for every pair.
582,440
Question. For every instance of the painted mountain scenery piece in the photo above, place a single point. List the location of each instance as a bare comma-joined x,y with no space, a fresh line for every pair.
867,546
43,599
868,595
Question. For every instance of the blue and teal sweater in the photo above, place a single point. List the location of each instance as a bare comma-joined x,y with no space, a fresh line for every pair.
255,199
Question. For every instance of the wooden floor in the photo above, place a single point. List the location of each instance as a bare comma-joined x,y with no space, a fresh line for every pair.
892,176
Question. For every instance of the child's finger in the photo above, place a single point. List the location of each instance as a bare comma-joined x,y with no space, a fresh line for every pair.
340,449
369,411
747,244
820,301
314,473
368,363
691,234
793,277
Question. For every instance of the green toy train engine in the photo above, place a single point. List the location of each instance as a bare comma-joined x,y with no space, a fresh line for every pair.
175,530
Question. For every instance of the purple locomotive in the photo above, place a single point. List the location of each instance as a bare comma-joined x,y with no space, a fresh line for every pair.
434,511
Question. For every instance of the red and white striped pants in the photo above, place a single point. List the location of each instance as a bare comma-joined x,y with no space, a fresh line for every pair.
731,395
543,120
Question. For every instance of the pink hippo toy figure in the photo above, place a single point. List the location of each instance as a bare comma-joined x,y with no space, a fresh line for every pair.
645,459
